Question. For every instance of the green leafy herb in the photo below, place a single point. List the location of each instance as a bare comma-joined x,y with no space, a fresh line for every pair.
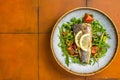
67,60
75,59
99,38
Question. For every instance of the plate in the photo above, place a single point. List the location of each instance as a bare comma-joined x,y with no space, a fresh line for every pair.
78,69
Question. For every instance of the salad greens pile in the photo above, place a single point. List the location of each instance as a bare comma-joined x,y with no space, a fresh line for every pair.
99,38
67,38
69,48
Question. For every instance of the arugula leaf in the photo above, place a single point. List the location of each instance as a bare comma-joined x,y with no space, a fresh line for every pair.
75,59
67,60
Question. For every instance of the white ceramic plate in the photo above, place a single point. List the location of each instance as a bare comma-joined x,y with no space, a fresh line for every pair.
79,69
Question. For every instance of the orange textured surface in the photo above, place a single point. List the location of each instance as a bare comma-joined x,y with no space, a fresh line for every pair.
18,16
18,57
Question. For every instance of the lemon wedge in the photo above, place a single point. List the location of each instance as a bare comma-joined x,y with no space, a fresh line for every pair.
77,38
85,41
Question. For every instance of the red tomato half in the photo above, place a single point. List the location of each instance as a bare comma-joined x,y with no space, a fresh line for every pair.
88,18
94,50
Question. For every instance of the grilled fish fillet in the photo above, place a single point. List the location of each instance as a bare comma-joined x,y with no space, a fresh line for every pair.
85,28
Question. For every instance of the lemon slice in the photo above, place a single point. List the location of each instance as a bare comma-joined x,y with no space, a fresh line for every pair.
77,38
85,42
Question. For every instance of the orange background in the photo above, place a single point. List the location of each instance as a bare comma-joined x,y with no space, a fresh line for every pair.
25,29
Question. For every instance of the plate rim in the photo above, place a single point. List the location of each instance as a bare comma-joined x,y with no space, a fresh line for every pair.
84,74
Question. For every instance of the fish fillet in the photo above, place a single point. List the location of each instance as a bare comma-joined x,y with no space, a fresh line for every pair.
85,28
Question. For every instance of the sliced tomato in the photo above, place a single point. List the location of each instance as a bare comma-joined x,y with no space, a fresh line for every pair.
69,48
88,18
94,50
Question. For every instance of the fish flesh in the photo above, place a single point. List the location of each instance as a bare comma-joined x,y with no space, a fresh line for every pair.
85,28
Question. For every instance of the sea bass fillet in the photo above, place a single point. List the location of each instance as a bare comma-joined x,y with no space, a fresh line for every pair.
86,29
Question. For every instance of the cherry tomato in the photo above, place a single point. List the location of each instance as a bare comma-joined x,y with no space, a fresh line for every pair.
88,18
69,48
94,50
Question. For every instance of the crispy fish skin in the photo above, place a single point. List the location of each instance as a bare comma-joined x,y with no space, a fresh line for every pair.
85,28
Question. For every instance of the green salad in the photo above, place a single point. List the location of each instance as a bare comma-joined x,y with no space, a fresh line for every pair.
96,47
